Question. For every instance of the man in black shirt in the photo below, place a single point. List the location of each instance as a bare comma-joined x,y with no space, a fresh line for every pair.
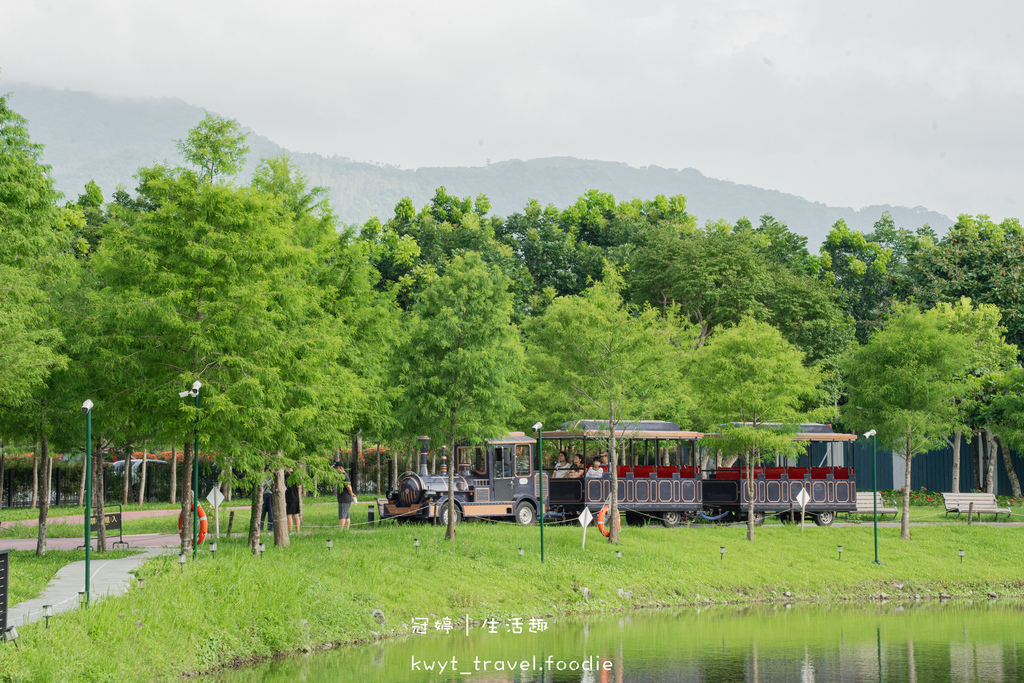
345,496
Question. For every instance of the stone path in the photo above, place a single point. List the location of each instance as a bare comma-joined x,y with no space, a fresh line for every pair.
108,577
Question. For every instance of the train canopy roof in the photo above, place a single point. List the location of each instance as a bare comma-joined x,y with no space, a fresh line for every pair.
635,429
809,431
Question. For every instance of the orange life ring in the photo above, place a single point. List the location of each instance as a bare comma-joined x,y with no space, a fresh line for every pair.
204,525
600,521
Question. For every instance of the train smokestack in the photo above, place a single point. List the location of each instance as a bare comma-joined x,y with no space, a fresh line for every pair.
424,442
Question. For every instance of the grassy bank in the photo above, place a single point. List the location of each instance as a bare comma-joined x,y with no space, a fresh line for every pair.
240,606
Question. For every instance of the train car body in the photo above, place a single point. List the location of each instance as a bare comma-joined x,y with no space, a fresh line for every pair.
667,486
673,486
494,480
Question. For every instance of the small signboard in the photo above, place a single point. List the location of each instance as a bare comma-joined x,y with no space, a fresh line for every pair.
585,518
5,570
215,497
803,498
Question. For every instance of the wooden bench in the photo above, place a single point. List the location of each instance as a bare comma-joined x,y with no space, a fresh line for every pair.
866,504
960,503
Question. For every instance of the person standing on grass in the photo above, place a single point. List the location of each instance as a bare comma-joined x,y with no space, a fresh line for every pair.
293,508
345,496
267,513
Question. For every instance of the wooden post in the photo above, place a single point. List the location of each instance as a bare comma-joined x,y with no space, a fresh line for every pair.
970,514
231,522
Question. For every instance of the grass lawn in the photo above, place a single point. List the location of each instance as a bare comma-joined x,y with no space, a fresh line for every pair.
240,606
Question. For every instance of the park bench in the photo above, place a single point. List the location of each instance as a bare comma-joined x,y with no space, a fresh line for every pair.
866,501
961,503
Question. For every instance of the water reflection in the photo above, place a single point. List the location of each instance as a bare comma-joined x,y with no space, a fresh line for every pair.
922,643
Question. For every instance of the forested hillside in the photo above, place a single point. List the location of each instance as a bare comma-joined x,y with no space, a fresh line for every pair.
93,138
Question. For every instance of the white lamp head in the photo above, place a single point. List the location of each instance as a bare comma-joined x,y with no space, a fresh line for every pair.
87,406
868,435
537,427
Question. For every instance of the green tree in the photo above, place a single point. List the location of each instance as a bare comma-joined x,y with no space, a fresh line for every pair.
988,356
461,360
1006,414
902,384
34,241
747,376
595,354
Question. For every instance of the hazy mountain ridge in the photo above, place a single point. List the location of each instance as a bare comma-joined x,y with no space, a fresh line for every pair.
92,137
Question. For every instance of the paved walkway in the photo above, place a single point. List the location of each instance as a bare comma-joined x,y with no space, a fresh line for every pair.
108,577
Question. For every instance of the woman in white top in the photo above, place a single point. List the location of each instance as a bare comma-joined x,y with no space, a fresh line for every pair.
562,467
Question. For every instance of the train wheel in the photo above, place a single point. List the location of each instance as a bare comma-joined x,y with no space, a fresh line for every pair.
825,518
525,514
671,519
634,518
444,515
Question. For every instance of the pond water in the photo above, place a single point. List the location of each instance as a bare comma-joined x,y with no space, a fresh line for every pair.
917,643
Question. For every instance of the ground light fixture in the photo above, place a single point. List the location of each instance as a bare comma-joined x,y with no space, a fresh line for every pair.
142,584
330,543
618,554
961,551
11,635
263,548
182,559
213,549
721,552
416,544
47,612
81,597
840,548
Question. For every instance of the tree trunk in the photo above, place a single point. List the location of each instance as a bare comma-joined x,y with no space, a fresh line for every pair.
280,510
99,497
990,464
750,496
905,516
228,487
378,469
44,500
174,474
613,469
256,511
186,498
393,479
449,533
142,475
979,459
3,458
357,456
1011,474
35,476
81,486
957,438
127,476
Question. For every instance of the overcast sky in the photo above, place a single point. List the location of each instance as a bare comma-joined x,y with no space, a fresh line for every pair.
850,104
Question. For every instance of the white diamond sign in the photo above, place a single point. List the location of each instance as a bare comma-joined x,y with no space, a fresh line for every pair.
586,517
215,497
803,498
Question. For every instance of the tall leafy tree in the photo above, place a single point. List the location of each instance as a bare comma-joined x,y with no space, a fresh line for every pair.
596,355
461,360
745,377
902,384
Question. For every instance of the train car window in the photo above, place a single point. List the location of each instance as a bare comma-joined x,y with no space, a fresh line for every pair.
503,461
522,460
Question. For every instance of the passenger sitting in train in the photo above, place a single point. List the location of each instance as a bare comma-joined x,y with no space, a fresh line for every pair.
595,469
577,469
562,466
604,460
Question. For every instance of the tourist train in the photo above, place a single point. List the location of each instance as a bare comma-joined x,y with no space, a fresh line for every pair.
663,476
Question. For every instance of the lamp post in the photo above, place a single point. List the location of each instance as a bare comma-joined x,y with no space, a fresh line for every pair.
540,474
873,435
194,392
87,409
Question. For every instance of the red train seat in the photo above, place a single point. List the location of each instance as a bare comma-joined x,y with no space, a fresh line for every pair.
666,472
797,472
688,472
820,472
643,472
624,470
774,472
728,473
841,473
